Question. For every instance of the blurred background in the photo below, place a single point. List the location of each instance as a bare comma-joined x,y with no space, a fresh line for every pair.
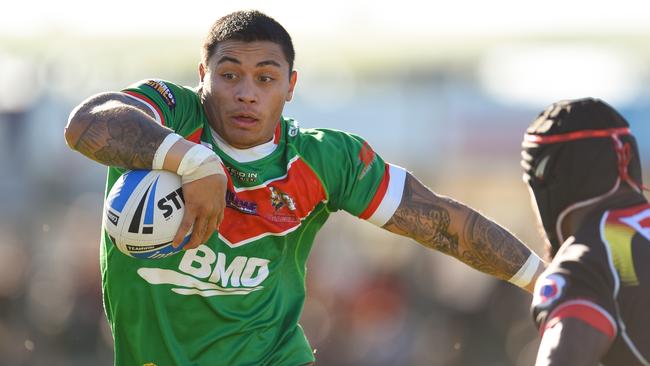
445,89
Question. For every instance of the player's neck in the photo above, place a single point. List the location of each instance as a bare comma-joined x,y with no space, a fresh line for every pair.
244,155
625,196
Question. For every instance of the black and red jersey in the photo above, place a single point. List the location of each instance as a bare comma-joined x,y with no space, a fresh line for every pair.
601,275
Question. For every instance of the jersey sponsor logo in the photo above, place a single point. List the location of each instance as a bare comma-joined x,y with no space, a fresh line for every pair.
243,206
246,177
275,207
366,157
548,289
163,90
207,273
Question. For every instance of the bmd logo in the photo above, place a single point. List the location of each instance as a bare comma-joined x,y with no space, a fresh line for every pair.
206,273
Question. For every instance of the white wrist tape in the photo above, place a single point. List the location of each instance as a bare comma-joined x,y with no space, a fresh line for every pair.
163,149
199,162
526,273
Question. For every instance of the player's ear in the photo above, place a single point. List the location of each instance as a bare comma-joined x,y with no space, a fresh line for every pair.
201,71
292,84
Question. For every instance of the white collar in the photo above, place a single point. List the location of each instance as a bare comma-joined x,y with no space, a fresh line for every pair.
244,155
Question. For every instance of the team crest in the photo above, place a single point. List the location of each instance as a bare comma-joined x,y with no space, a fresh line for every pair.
280,199
548,289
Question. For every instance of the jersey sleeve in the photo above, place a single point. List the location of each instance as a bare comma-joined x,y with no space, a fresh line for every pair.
173,106
356,178
578,284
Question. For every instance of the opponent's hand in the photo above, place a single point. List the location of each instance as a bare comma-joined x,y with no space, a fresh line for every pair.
205,201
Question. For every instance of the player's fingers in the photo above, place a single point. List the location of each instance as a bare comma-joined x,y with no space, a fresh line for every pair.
186,225
198,232
210,227
218,221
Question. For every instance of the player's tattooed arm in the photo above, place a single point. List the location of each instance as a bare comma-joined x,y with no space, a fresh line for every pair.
446,225
115,130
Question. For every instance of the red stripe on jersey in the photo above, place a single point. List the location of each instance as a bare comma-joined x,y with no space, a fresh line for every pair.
276,207
277,133
195,136
586,311
379,195
148,101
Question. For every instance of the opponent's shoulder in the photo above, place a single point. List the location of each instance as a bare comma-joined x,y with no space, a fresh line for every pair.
580,271
589,238
585,252
634,218
578,278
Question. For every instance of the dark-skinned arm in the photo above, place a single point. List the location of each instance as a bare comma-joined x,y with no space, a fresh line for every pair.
572,342
116,130
443,224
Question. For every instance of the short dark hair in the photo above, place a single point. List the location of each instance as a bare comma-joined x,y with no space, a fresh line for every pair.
248,26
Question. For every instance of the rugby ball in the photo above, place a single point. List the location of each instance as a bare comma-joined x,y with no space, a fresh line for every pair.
143,211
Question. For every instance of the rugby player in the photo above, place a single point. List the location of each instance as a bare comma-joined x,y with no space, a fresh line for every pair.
234,296
583,168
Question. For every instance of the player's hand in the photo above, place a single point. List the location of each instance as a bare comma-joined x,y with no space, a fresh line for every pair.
205,201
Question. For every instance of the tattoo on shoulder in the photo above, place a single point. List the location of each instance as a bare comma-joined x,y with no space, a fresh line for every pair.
120,136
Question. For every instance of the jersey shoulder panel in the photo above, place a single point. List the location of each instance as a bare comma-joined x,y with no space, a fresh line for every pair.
176,107
349,168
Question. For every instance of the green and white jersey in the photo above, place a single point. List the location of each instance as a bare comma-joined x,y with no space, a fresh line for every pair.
237,299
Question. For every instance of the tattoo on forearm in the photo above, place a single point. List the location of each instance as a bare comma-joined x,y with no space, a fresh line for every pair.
430,220
491,248
120,136
425,223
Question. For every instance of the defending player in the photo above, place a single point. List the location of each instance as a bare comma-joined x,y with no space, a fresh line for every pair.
235,296
592,303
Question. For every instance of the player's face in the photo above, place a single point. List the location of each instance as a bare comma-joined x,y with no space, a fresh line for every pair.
245,86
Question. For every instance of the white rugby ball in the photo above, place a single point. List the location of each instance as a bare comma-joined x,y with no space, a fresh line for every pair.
143,211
